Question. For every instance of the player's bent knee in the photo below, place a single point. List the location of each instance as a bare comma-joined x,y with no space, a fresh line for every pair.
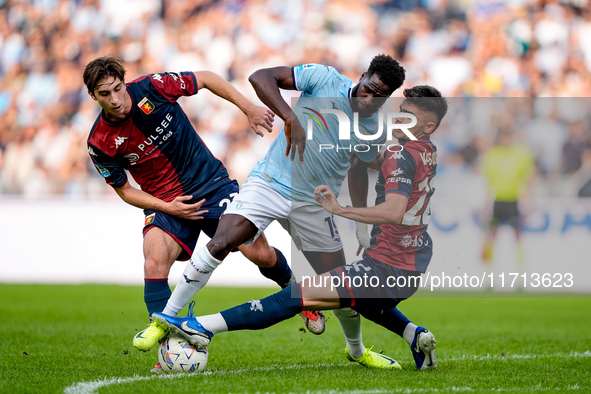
262,256
226,241
220,247
155,270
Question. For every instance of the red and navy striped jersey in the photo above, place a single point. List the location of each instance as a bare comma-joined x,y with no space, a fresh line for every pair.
156,142
408,172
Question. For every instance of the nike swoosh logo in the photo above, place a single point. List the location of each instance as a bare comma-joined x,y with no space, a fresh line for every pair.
387,358
185,327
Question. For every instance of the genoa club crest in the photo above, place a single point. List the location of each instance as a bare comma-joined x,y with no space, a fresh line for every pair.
146,106
150,219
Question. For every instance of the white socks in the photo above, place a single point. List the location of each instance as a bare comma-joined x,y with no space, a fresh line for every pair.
409,333
351,325
195,276
213,323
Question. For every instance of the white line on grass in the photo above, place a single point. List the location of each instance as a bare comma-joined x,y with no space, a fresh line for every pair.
521,356
91,387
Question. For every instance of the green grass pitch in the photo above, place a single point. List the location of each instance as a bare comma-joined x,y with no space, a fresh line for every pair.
77,339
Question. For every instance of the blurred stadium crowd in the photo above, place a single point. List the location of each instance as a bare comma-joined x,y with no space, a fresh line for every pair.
483,48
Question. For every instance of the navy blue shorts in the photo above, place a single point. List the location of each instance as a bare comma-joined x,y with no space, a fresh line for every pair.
368,284
186,232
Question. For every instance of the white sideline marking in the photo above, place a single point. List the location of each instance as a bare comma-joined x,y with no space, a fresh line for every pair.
521,356
91,387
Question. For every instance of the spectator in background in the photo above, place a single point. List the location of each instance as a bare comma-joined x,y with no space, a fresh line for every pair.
19,162
476,49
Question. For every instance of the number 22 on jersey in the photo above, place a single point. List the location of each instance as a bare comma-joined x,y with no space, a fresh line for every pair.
411,217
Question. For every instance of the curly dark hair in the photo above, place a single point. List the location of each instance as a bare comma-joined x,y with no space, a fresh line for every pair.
428,99
388,70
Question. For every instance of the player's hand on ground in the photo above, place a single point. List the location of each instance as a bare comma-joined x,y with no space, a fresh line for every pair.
296,138
178,208
260,116
327,199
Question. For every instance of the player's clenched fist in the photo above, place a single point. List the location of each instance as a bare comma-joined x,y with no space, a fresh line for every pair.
177,207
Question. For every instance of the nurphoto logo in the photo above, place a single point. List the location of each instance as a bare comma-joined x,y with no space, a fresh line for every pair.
363,135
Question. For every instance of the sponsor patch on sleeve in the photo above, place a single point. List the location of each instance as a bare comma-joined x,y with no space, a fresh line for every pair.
399,179
103,171
305,66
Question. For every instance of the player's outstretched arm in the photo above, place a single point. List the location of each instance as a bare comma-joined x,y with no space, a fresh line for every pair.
266,83
257,116
389,212
176,207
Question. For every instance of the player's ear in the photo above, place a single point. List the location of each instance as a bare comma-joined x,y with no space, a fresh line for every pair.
361,77
430,128
91,94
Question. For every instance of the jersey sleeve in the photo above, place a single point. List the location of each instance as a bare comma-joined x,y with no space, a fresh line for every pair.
399,171
310,77
108,167
174,85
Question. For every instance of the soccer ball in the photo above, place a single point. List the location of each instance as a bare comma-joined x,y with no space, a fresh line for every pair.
176,354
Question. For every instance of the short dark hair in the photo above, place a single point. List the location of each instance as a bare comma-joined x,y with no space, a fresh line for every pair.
388,70
100,68
428,99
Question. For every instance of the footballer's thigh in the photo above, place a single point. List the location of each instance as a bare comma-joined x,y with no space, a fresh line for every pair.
160,252
246,218
325,261
259,204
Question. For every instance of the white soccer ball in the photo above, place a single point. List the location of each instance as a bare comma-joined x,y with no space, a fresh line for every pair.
176,354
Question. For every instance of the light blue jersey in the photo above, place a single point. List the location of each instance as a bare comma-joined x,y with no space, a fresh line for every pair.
323,88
